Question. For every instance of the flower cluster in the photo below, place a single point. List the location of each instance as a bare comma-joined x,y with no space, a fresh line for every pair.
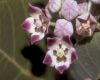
61,52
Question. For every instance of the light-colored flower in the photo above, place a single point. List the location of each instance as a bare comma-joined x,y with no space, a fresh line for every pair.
69,9
63,28
83,7
54,5
60,53
37,24
85,25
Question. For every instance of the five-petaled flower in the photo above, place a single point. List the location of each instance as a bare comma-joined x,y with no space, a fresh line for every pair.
60,53
66,8
85,25
37,24
63,28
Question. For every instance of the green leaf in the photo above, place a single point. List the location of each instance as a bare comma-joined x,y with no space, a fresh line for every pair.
88,64
13,66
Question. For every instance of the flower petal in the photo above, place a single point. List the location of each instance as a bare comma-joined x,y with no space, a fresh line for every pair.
63,28
54,5
36,37
83,8
69,9
47,60
32,9
84,16
28,25
61,69
50,41
74,55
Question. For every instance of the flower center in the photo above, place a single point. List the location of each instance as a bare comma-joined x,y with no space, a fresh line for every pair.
85,28
39,25
60,53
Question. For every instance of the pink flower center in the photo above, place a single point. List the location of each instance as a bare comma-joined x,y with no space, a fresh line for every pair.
60,53
41,23
85,28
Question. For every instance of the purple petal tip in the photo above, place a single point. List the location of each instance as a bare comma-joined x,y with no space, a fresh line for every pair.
74,56
25,25
32,9
50,41
34,38
47,60
61,69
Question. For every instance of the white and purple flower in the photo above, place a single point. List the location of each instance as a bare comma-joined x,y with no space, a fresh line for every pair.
54,5
60,53
63,28
37,24
69,9
83,7
85,25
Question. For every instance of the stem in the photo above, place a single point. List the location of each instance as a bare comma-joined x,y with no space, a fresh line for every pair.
89,5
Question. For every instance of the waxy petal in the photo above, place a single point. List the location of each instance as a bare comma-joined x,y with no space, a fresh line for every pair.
69,9
61,69
83,7
33,10
63,28
47,60
28,25
74,55
50,41
36,37
54,5
84,16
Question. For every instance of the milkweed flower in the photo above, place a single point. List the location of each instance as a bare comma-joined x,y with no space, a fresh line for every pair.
83,7
69,9
54,5
85,25
63,28
37,24
60,53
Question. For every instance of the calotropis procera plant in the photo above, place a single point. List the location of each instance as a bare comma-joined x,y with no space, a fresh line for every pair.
74,19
